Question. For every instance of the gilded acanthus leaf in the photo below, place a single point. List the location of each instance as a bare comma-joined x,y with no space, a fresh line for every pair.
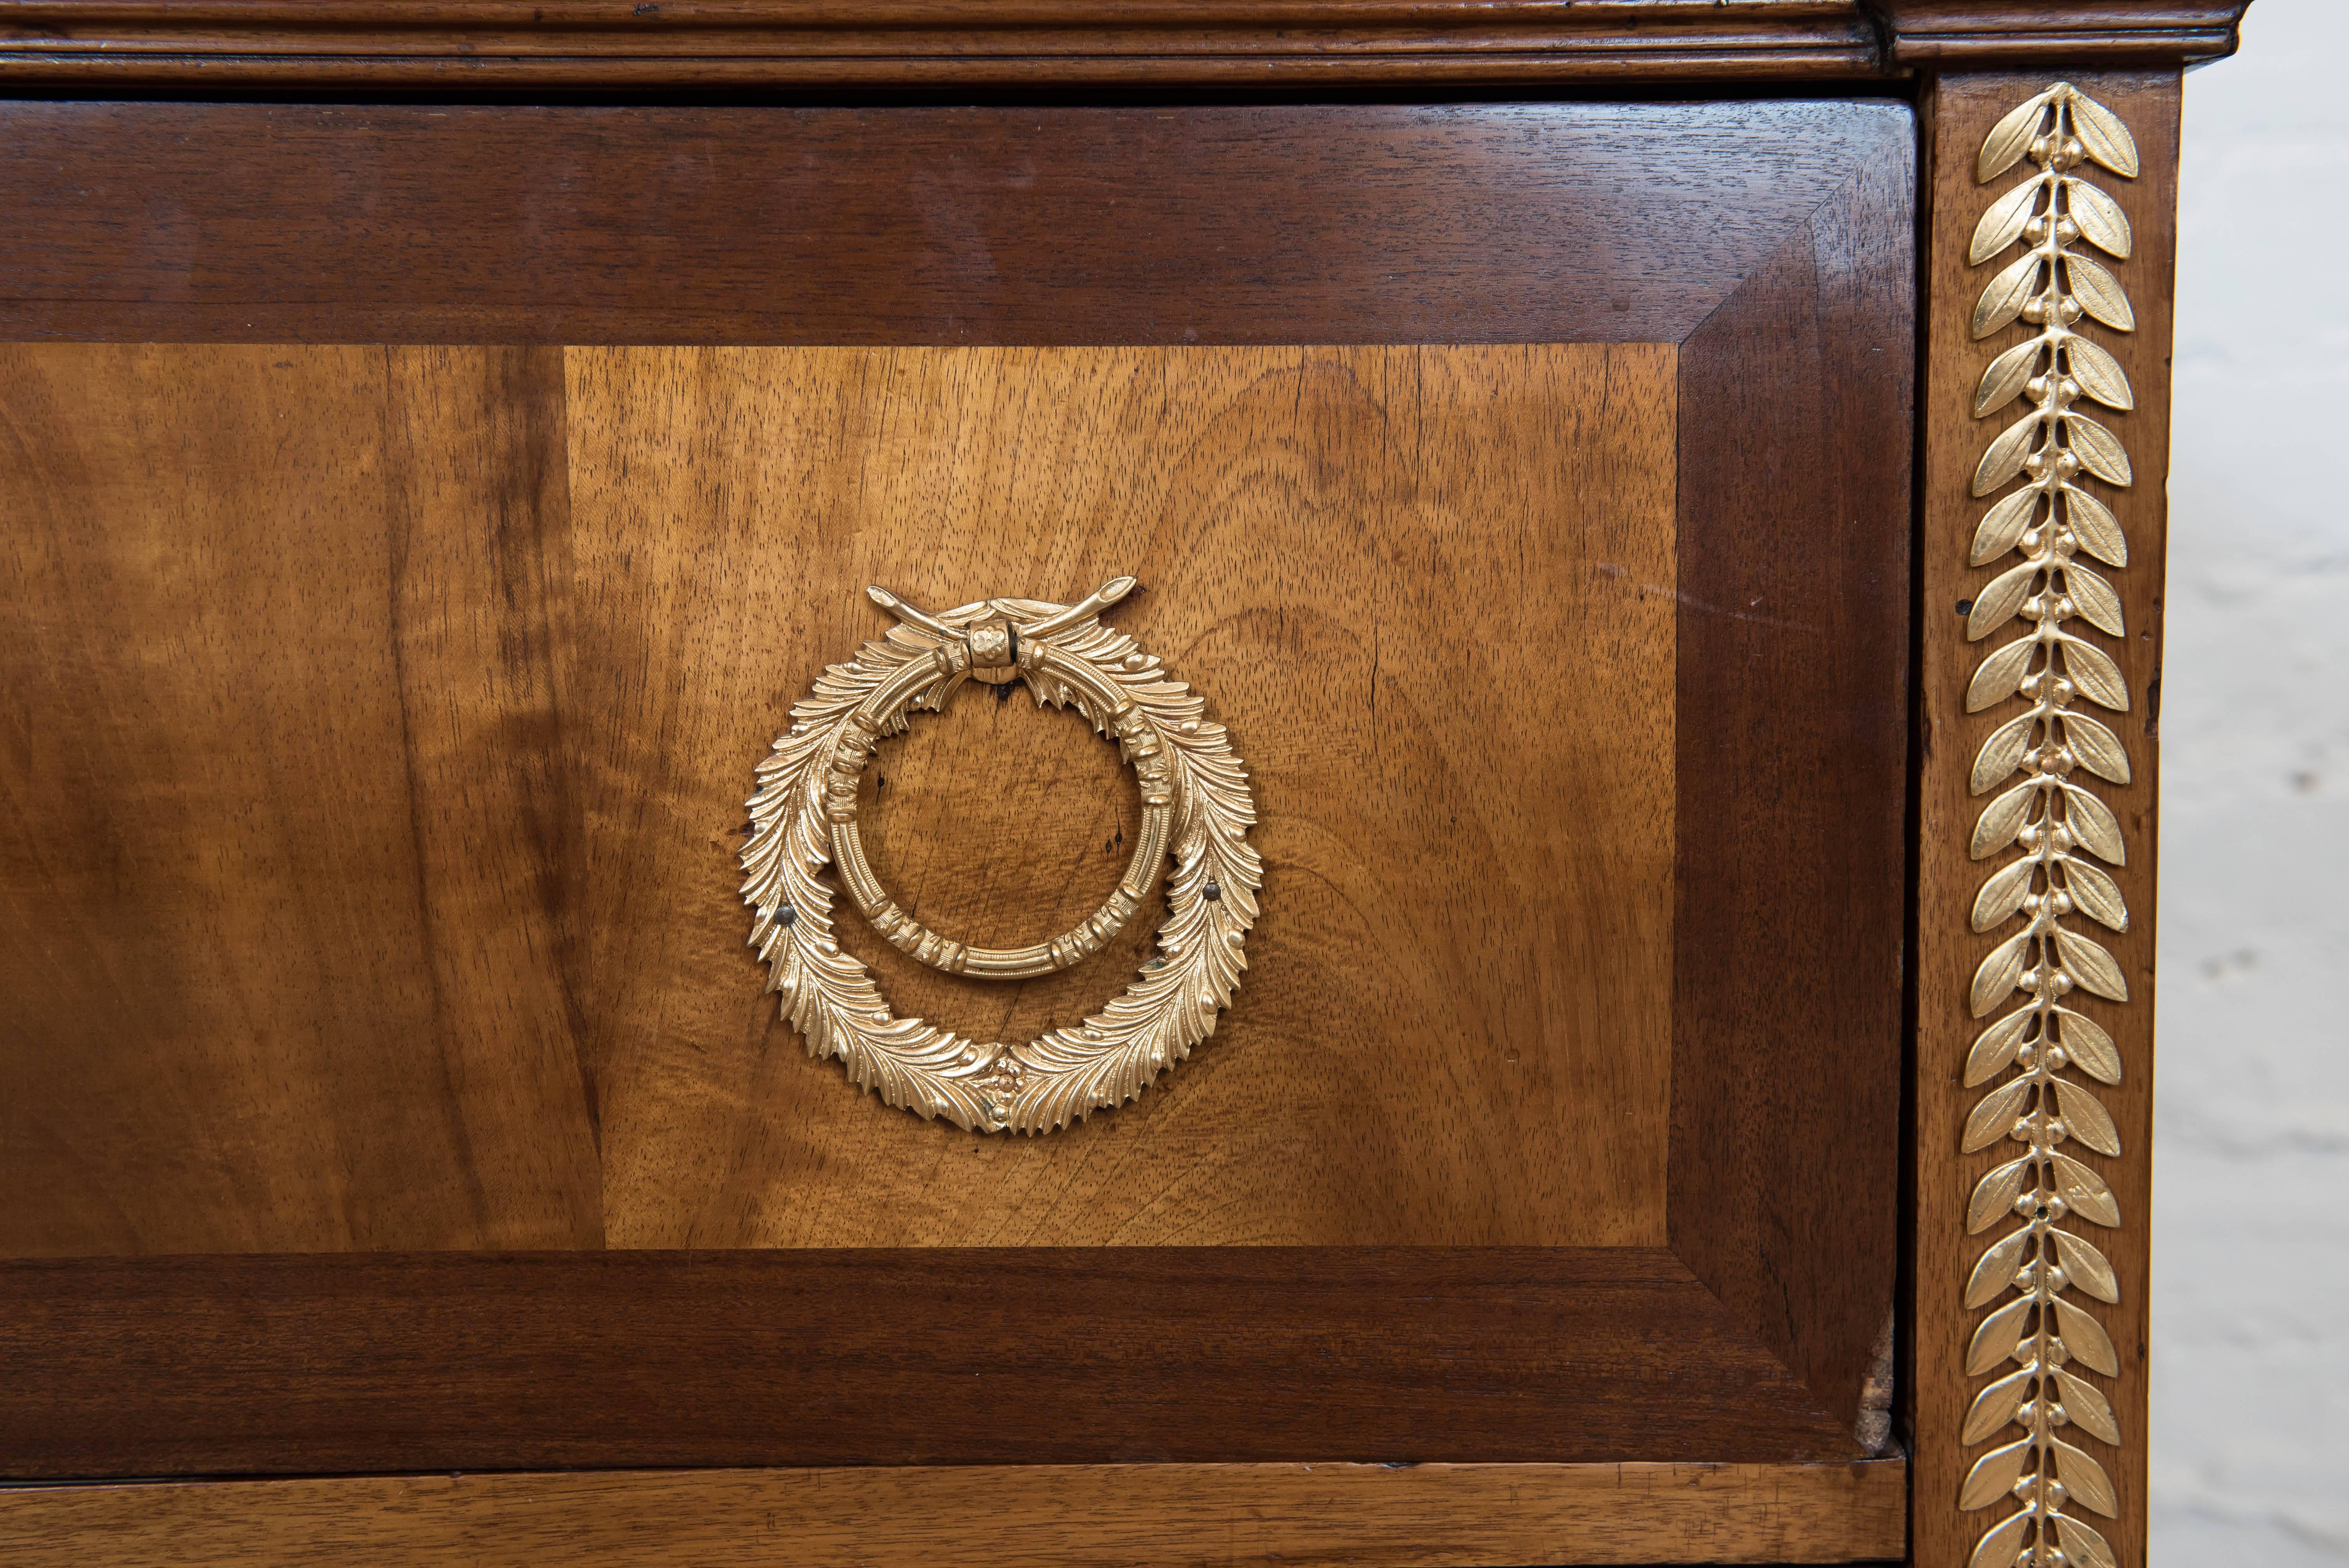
2036,1062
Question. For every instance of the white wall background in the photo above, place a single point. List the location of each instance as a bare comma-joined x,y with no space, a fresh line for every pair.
2250,1238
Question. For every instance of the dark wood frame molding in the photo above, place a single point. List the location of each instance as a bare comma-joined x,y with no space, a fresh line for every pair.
374,1363
1927,36
455,47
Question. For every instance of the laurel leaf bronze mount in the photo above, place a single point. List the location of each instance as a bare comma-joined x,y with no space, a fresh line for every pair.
1197,810
2044,1054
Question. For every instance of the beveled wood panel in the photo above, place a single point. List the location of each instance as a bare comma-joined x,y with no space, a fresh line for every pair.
1429,590
1793,749
1965,107
1543,222
444,1361
1056,1516
284,810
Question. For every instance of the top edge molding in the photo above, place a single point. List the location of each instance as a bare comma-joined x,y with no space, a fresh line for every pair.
1997,34
473,46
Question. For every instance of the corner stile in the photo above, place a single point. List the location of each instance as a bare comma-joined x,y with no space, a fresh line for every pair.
2047,834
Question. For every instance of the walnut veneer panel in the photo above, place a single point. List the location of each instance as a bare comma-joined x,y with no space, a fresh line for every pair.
283,816
371,839
1430,592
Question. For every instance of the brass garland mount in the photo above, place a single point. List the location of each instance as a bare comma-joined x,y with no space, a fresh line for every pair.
1196,808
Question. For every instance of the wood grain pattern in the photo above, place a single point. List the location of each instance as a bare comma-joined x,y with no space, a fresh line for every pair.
443,1361
1107,1516
1963,110
283,823
1607,222
476,46
1793,755
1430,590
1267,224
